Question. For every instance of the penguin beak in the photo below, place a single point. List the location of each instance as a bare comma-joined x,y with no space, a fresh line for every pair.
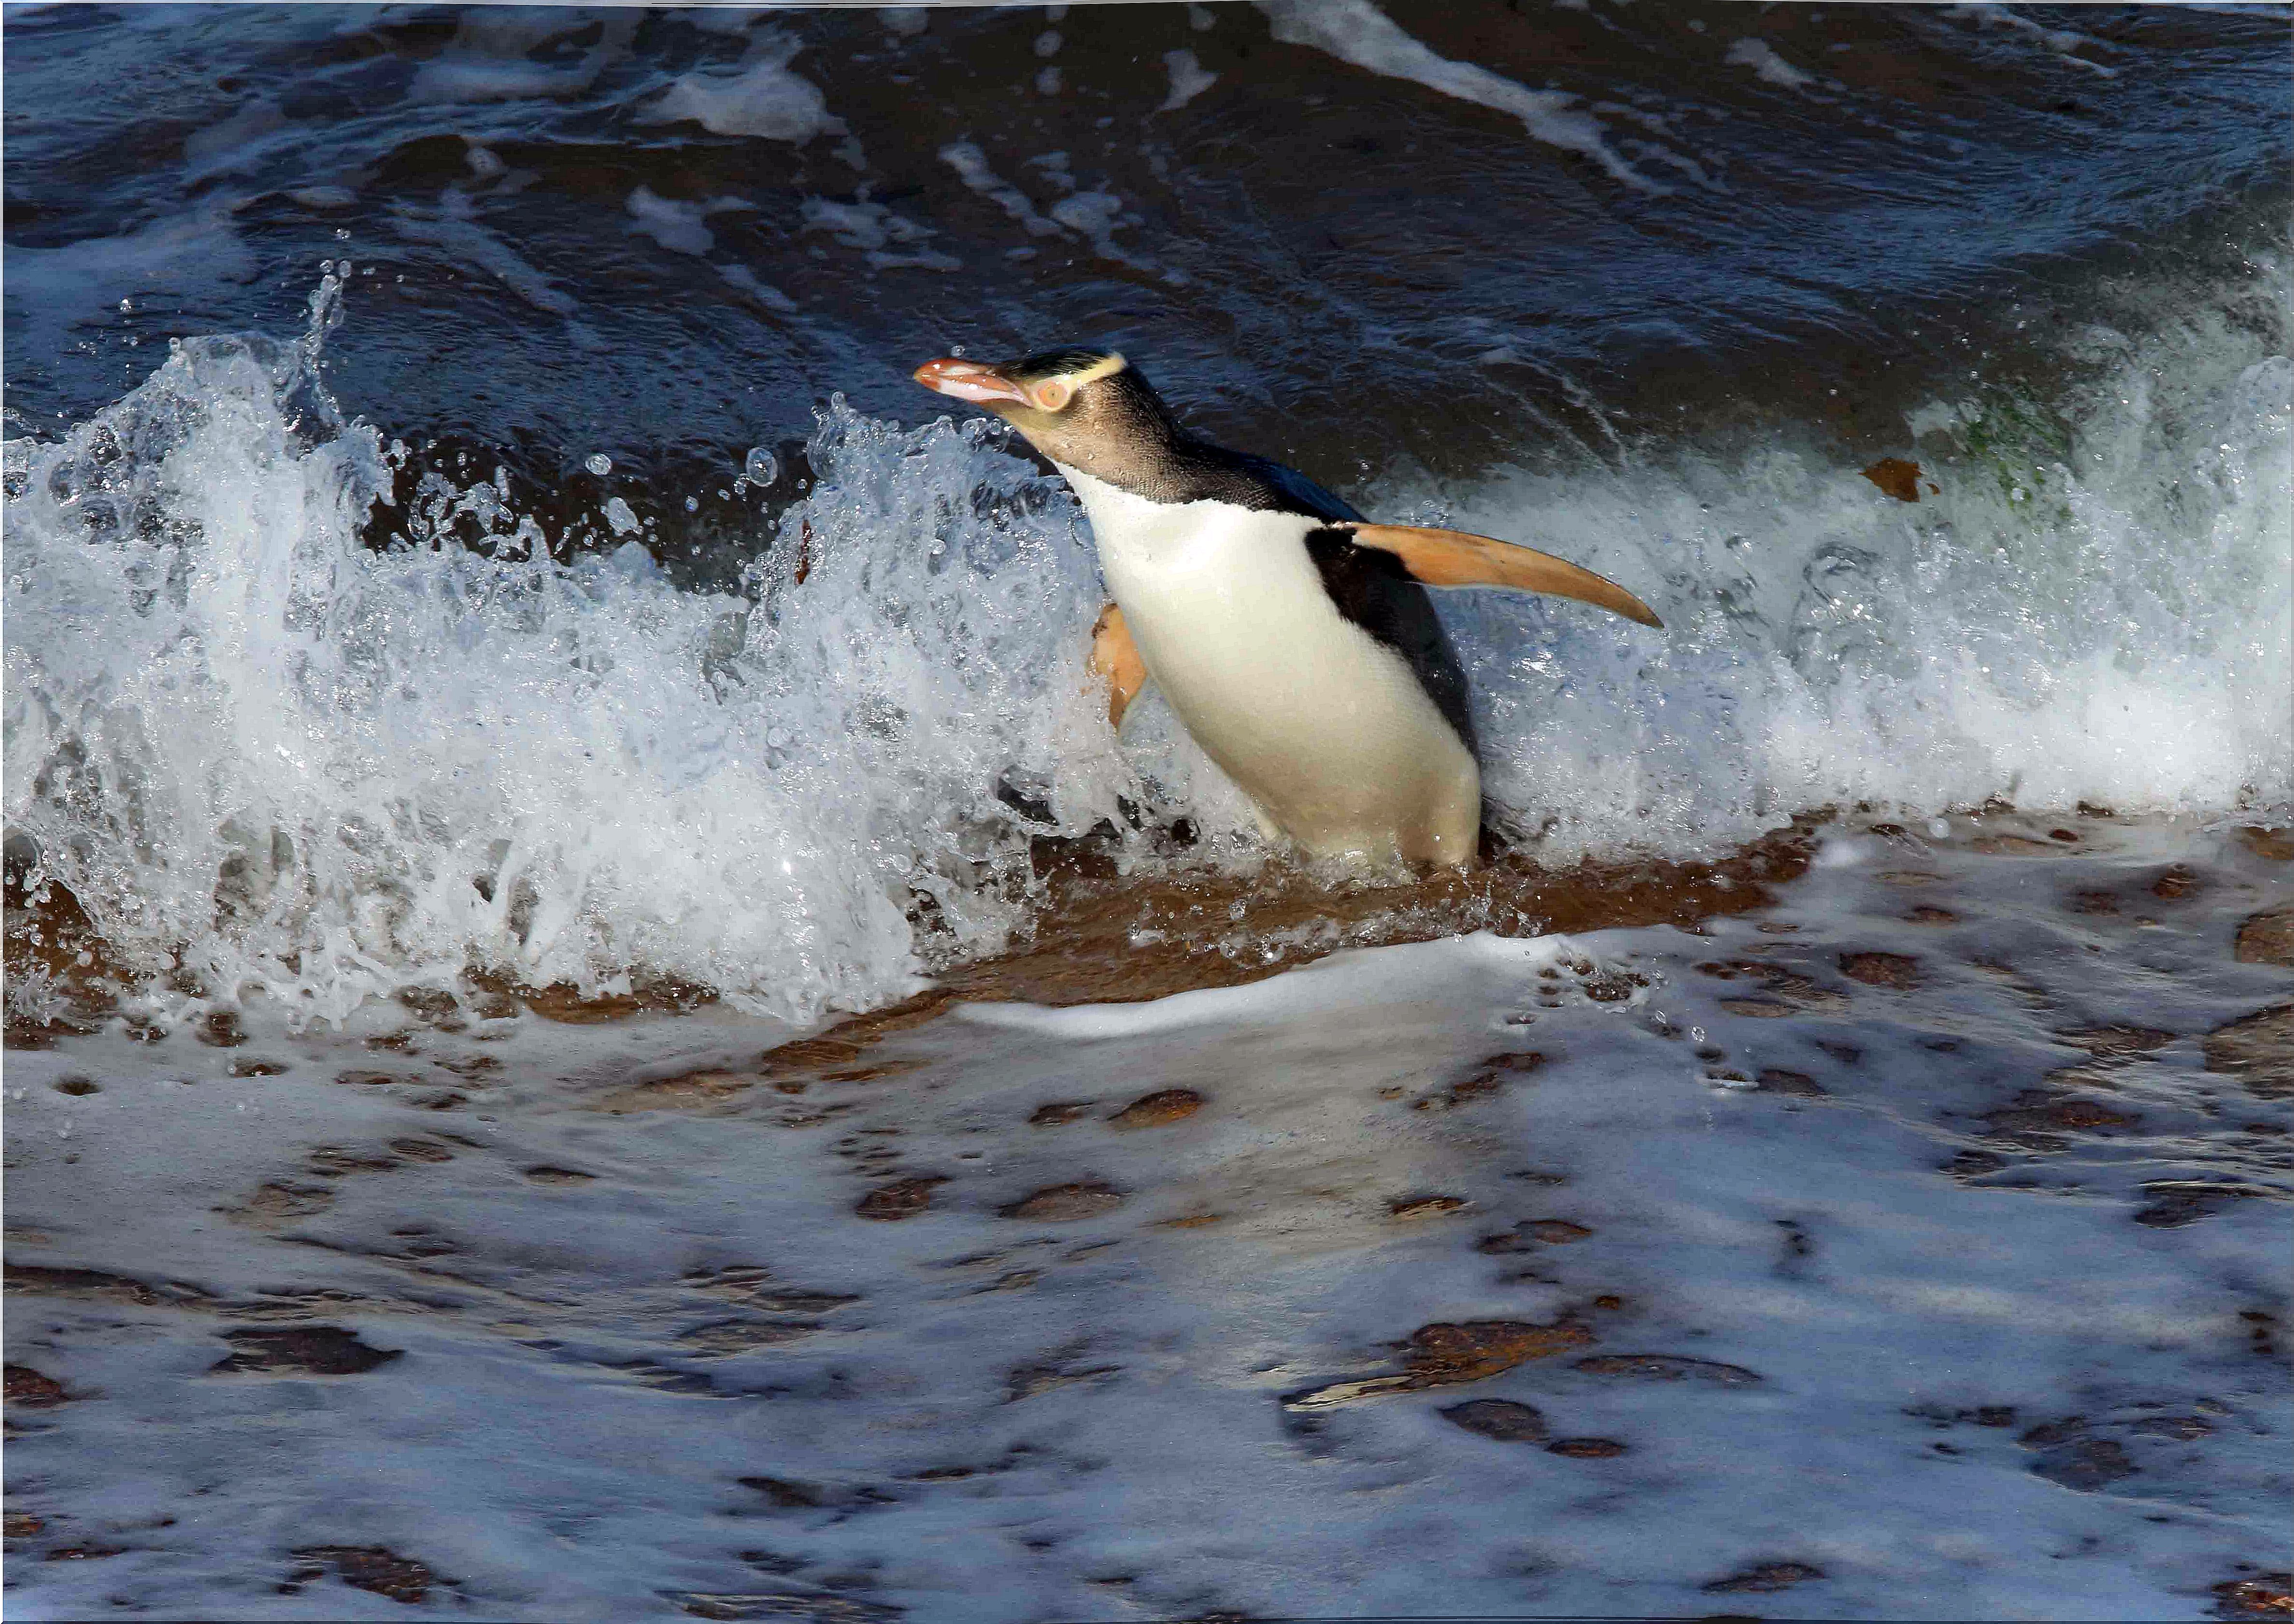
968,381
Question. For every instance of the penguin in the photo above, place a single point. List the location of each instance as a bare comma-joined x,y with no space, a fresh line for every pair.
1293,639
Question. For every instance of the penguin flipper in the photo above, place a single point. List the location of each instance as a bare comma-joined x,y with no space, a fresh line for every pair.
1455,558
1115,657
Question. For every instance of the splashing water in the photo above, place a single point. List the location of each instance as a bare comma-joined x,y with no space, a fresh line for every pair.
2093,600
269,756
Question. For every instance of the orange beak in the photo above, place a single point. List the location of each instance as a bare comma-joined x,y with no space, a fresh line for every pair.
968,381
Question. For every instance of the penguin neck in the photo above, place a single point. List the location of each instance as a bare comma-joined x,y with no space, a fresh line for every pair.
1119,516
1151,463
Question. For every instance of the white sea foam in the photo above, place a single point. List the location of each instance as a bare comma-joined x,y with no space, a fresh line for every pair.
394,763
268,753
1094,216
1761,57
1356,31
761,97
105,269
454,227
1189,79
971,165
2063,41
678,1329
489,59
679,226
747,281
889,241
238,144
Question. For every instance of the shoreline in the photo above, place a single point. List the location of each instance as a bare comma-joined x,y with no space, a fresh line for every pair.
1950,1185
1099,934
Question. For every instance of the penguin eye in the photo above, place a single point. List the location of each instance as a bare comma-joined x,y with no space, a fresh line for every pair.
1053,395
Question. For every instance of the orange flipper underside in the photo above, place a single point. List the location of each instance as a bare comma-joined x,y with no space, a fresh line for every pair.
1114,657
1454,558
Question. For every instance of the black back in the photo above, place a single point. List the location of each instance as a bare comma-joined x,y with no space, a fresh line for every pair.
1369,584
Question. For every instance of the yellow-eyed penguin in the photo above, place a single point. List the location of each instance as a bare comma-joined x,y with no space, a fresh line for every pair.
1292,639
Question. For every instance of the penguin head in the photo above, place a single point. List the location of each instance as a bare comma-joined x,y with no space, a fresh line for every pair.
1084,407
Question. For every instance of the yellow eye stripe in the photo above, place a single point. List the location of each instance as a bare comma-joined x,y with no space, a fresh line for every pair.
1106,366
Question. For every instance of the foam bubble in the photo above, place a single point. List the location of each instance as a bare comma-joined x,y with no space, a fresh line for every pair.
761,98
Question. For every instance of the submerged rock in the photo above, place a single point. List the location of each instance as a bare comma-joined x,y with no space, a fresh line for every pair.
313,1350
1501,1420
1158,1110
2267,938
1763,1578
901,1198
1065,1203
1666,1367
1585,1449
2259,1050
370,1567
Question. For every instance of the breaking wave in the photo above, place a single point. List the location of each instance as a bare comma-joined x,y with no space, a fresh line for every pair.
282,735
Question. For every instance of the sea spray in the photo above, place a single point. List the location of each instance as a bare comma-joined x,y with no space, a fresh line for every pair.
269,757
281,738
2093,599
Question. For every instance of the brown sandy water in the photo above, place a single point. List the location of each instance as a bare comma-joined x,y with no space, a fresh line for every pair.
1965,1153
1099,934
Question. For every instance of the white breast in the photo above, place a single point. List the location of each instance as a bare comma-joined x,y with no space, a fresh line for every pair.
1328,729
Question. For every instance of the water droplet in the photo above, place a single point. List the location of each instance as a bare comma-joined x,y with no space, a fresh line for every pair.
762,465
599,463
955,349
692,504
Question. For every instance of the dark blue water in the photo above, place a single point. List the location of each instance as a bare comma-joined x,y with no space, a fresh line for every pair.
1326,258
